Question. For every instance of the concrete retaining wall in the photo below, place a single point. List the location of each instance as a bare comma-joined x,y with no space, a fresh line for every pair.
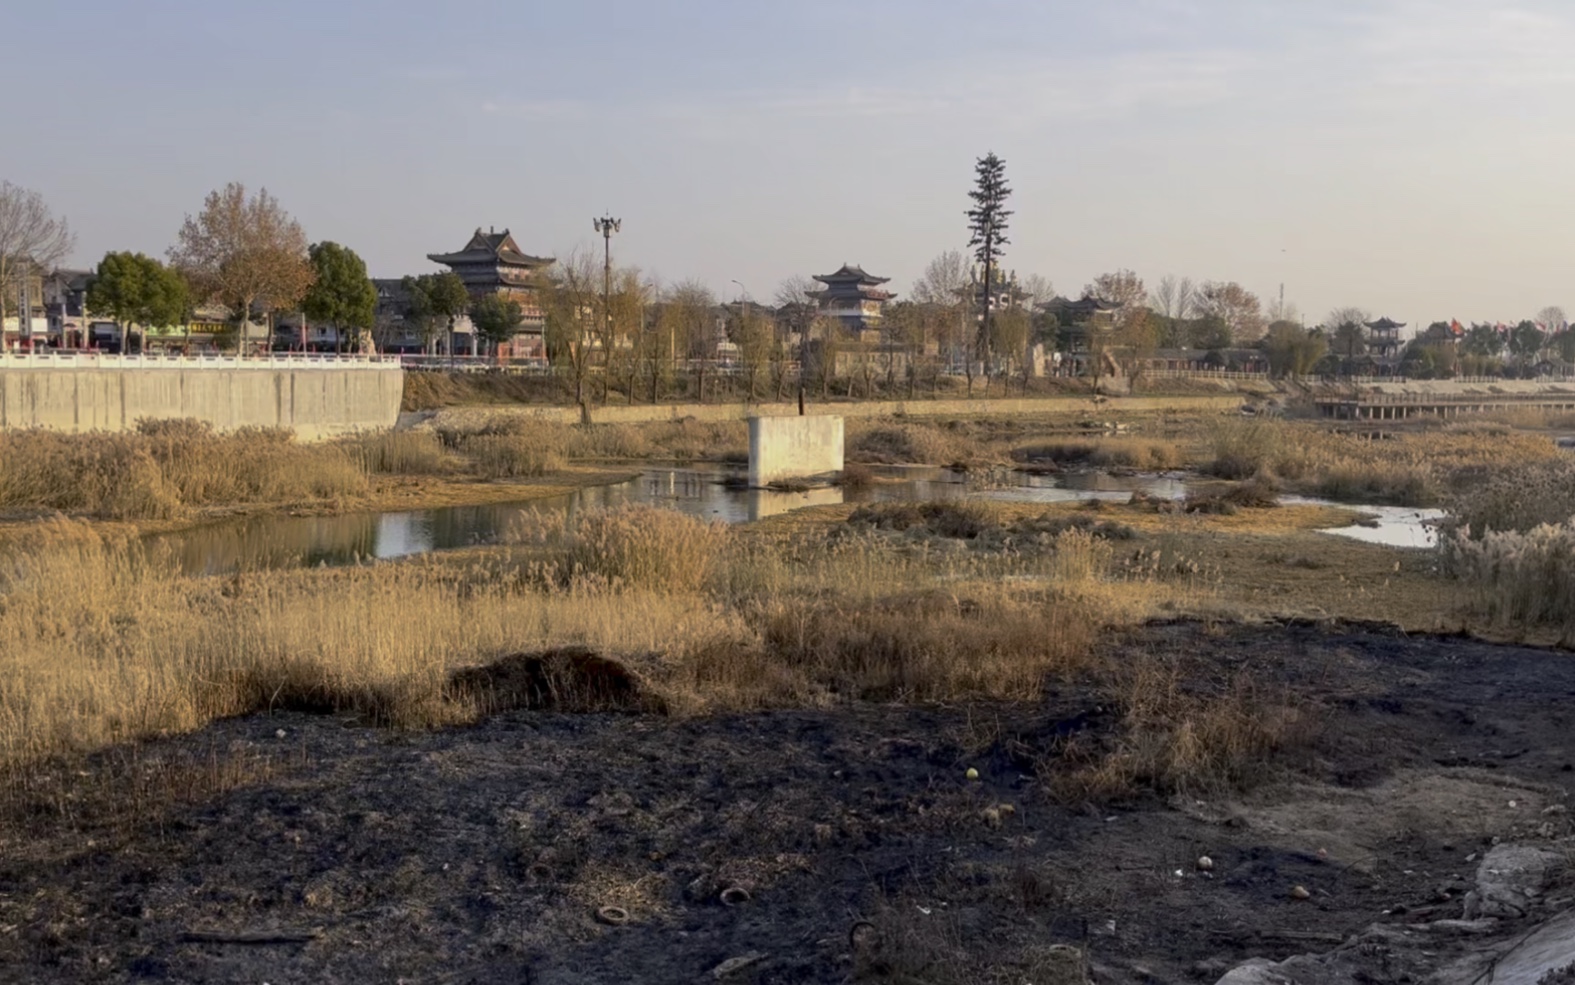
462,417
793,448
314,400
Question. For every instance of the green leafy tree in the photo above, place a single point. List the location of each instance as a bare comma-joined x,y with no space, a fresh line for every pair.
497,318
1293,350
435,301
987,226
1564,344
1484,341
341,294
1525,341
1209,331
137,290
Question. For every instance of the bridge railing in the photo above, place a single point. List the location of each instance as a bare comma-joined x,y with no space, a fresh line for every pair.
277,360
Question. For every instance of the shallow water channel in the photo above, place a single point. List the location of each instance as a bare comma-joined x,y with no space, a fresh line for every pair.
283,542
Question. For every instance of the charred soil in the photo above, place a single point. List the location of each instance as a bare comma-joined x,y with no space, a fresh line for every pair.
843,844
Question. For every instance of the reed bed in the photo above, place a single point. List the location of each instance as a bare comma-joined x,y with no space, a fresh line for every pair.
1414,470
167,468
103,640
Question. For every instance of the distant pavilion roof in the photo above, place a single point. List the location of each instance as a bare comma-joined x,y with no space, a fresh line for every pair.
850,274
1083,307
491,247
1385,325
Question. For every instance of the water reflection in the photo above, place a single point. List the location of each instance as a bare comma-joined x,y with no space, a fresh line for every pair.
274,542
1392,526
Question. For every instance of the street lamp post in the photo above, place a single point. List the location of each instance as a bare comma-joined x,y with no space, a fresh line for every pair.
607,226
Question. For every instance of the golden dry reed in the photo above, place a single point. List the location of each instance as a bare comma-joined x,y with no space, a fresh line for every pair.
103,640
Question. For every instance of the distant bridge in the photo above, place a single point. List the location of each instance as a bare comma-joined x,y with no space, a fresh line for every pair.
1400,406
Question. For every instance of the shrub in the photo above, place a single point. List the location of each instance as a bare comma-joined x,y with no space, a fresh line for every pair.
1517,499
1119,452
961,519
1517,579
1177,731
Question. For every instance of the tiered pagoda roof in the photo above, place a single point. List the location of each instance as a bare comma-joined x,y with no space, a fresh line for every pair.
851,281
1385,325
1079,310
491,260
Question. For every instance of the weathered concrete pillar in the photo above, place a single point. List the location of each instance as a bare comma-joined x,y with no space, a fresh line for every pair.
794,448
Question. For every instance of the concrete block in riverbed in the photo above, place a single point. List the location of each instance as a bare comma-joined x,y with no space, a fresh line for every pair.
783,448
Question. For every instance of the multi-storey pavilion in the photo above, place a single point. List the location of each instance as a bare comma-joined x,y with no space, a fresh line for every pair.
1383,340
853,297
492,263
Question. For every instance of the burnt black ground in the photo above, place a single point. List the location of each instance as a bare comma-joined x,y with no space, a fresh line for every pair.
481,854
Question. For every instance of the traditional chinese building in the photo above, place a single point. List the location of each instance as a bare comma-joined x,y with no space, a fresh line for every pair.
1383,340
853,297
492,263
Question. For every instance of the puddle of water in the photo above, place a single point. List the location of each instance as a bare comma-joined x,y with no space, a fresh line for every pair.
281,542
1393,526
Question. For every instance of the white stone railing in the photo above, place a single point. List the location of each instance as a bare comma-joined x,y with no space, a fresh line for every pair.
277,360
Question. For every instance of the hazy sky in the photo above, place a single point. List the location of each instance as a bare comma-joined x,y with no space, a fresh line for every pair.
1411,157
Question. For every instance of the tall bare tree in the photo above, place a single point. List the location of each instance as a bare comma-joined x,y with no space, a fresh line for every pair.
571,296
623,341
244,252
1122,287
795,311
1037,290
1233,305
688,319
944,281
1172,299
1552,318
32,241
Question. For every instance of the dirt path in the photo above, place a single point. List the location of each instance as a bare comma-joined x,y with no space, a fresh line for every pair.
485,854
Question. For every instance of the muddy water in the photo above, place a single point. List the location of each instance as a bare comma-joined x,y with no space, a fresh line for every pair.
275,542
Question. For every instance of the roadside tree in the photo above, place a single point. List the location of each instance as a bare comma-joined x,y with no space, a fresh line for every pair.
497,318
246,253
341,294
32,241
138,291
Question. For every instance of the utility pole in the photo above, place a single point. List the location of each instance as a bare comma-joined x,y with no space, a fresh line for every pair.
606,226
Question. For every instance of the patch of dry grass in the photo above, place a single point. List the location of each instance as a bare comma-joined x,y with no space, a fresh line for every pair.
886,443
1517,581
1414,470
1517,499
402,453
168,468
684,441
1150,454
1180,732
103,640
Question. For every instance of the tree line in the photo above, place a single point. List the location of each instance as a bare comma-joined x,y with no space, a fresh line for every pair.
244,253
